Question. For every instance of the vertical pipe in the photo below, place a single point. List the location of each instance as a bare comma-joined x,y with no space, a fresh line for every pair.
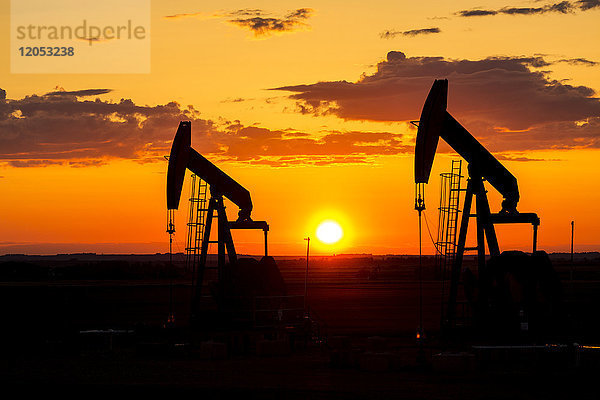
220,240
170,231
306,272
535,234
171,318
420,206
572,234
420,332
266,249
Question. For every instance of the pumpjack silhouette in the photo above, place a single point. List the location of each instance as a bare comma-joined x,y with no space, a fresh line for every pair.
511,288
237,277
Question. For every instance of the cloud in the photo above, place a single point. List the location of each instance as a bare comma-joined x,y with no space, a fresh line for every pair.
40,131
32,163
183,15
314,160
564,7
578,61
244,12
265,26
247,12
588,4
505,157
476,13
257,20
390,34
502,99
66,127
235,100
248,143
79,93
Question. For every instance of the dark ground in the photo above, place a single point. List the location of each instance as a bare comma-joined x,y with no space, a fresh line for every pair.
46,301
299,376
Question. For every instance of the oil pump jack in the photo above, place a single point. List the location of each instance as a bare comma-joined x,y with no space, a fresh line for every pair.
436,122
184,157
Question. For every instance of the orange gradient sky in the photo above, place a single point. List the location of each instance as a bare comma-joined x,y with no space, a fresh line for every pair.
307,105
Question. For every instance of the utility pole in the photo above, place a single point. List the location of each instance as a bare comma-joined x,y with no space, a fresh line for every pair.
572,234
306,272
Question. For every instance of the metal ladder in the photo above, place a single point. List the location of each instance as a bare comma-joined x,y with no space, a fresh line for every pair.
447,225
453,209
196,224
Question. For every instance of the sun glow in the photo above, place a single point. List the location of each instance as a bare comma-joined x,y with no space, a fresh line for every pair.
329,232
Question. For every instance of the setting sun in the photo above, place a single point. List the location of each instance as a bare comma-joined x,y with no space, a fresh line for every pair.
329,232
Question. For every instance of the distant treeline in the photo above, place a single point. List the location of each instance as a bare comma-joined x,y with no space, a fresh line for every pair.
92,270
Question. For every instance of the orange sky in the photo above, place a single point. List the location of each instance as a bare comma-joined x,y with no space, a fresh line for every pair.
308,110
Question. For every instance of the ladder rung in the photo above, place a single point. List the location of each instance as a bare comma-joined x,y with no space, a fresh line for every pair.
471,248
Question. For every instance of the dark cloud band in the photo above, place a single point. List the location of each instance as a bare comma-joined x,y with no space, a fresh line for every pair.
257,20
79,93
390,34
502,99
263,26
38,131
564,7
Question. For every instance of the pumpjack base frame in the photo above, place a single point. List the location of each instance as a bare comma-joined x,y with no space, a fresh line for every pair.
486,233
224,243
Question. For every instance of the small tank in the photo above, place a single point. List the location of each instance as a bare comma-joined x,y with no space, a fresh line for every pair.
251,291
525,296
